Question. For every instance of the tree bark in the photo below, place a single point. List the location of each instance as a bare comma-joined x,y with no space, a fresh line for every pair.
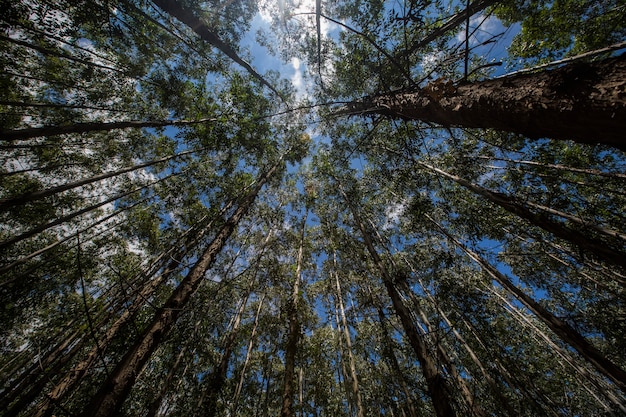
109,398
583,102
346,332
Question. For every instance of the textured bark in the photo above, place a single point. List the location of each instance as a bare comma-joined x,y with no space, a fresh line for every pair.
564,331
34,132
109,398
584,102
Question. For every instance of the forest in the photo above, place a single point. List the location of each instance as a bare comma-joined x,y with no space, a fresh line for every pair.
308,208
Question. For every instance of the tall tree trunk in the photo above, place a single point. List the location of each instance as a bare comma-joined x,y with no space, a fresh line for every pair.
64,219
175,9
557,167
438,390
564,331
217,378
346,332
7,203
247,360
34,132
293,335
542,220
155,404
393,361
109,398
583,102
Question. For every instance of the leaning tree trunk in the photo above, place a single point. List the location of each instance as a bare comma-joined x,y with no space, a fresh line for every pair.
109,398
584,102
564,331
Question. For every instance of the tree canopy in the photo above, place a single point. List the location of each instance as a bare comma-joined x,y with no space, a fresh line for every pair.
342,208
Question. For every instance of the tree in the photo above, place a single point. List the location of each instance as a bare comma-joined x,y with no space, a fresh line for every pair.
176,241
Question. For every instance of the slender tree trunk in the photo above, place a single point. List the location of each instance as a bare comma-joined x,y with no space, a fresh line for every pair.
155,405
393,361
574,102
565,332
438,390
293,336
557,167
41,228
175,9
451,24
247,360
217,378
109,398
541,220
34,132
7,203
346,332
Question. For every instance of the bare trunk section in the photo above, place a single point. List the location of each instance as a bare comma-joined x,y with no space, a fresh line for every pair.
109,398
584,102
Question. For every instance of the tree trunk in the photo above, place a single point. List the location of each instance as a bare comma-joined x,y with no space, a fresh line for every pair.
565,332
541,220
584,102
7,203
248,355
217,378
393,361
41,228
34,132
353,374
109,398
156,403
293,335
186,16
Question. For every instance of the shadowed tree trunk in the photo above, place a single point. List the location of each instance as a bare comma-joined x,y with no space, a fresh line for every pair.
583,102
109,398
34,132
185,15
